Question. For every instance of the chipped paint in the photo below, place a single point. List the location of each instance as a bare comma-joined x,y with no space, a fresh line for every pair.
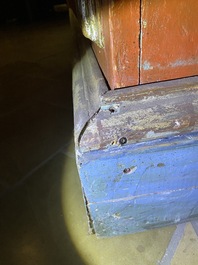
192,61
147,66
177,124
141,116
116,216
178,63
156,198
119,58
144,23
152,134
114,108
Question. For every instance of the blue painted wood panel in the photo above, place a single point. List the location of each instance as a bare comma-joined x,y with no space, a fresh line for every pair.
106,177
143,213
141,186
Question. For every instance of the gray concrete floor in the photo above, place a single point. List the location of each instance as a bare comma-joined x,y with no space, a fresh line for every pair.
42,215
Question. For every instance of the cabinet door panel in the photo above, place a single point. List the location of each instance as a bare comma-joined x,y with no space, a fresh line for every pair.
169,39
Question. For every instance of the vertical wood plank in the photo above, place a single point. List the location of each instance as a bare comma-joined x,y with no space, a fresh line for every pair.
119,59
169,39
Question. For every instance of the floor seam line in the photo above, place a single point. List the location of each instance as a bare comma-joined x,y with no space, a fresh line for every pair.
31,172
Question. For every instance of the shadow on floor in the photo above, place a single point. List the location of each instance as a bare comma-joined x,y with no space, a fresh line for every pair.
36,124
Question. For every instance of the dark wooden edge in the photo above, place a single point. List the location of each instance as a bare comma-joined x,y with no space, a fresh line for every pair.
169,87
88,83
177,141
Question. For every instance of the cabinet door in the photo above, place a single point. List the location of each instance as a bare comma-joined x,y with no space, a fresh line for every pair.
169,39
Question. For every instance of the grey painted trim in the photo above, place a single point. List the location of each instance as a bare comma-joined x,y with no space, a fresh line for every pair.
195,226
170,251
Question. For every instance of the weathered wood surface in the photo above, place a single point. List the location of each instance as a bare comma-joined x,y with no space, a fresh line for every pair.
139,170
103,118
117,50
119,58
86,94
88,82
139,42
144,213
141,186
137,151
142,113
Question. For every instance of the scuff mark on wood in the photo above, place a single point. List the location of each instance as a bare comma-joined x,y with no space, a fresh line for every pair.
129,198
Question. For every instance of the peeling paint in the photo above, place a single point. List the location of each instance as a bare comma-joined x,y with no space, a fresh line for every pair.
178,63
191,61
116,216
152,134
144,23
147,66
177,124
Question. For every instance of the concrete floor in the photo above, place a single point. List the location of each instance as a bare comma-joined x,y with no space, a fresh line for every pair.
42,216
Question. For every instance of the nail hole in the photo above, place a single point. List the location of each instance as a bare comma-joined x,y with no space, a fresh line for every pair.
123,140
126,170
112,110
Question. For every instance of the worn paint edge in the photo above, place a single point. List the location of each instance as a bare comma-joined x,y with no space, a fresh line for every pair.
146,66
178,141
162,86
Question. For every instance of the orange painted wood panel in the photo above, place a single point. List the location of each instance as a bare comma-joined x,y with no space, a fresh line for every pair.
141,41
169,39
119,59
